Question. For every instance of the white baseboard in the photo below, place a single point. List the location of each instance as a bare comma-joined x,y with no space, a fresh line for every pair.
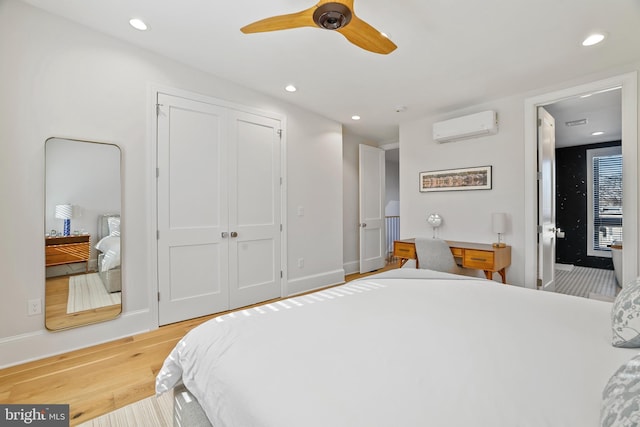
351,267
311,283
43,343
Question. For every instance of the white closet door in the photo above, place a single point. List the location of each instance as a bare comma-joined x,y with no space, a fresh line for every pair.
254,209
192,209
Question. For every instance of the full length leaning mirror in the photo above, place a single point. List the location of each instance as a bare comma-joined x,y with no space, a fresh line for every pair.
82,233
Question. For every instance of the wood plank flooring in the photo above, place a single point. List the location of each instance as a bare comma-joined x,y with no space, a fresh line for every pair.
99,379
56,317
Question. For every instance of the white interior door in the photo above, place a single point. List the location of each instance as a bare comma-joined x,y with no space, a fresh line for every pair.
254,209
371,216
546,200
192,209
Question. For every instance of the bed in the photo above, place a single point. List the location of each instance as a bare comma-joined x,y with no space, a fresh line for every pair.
406,347
108,247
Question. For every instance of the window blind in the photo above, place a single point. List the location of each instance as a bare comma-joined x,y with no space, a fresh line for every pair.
607,200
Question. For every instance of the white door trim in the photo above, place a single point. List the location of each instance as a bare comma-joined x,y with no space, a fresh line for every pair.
629,84
152,125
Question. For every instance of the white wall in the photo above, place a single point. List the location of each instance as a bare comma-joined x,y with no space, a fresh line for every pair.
467,214
61,79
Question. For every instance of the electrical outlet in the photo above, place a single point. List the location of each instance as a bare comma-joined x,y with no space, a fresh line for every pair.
34,306
300,262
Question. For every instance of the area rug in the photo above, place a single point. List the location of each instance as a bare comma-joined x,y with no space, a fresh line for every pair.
586,282
86,292
150,412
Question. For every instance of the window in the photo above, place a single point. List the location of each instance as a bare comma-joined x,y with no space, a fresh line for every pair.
604,185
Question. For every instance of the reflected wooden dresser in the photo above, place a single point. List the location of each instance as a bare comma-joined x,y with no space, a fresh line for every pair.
61,250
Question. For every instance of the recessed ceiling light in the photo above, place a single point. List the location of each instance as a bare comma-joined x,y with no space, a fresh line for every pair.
138,24
597,133
355,117
290,88
593,39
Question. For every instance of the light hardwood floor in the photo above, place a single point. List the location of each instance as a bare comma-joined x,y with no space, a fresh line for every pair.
102,378
56,317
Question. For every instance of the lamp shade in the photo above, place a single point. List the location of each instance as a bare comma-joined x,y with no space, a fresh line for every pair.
64,211
499,222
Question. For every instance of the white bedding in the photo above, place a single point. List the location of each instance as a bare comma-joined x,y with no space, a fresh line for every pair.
398,349
110,247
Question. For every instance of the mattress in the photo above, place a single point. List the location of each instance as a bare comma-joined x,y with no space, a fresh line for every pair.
403,348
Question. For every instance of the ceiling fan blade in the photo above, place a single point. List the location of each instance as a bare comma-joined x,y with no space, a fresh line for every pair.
348,3
368,38
303,18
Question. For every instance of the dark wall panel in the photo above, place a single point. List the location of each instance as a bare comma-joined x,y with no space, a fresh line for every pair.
571,206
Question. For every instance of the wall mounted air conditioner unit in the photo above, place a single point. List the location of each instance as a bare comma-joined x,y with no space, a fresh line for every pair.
471,126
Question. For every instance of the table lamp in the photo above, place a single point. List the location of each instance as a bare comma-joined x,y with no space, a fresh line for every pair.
65,212
499,226
435,220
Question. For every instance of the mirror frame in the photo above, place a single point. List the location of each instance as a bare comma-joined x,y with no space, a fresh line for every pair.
65,256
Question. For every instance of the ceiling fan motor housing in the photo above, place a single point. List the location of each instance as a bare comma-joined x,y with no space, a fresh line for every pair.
332,16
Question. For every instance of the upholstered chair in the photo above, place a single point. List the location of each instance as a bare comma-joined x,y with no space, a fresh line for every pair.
434,254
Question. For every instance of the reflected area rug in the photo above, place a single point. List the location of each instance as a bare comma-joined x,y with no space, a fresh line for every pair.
150,412
86,292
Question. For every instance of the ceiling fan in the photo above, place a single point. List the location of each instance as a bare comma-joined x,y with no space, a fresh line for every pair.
329,15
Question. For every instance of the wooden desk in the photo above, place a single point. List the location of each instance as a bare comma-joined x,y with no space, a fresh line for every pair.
480,256
67,250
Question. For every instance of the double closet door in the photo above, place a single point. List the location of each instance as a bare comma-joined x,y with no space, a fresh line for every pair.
218,214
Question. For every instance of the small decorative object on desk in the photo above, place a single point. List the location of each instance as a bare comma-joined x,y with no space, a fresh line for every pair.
499,226
435,220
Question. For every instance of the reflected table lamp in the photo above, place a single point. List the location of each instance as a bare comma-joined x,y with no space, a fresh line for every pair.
499,226
65,212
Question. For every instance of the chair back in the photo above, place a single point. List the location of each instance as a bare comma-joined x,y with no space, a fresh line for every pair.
434,254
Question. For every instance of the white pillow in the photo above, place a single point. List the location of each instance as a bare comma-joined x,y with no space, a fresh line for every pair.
114,225
110,247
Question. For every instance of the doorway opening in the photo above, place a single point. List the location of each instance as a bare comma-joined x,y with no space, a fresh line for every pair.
627,86
588,192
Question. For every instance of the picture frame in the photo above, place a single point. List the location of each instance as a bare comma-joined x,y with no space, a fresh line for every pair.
473,178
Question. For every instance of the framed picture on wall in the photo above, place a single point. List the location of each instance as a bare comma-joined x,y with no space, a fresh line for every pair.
475,178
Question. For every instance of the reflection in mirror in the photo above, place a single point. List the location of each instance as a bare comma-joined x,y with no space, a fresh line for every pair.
82,233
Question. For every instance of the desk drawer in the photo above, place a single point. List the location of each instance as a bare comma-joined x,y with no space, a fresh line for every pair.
404,250
457,252
482,260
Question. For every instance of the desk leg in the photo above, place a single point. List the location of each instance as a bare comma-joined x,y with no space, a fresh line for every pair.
503,273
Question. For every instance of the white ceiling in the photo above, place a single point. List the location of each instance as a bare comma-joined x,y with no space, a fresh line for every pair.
601,111
451,54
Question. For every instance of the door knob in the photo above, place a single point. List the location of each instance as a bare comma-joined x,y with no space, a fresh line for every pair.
234,234
363,225
224,234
